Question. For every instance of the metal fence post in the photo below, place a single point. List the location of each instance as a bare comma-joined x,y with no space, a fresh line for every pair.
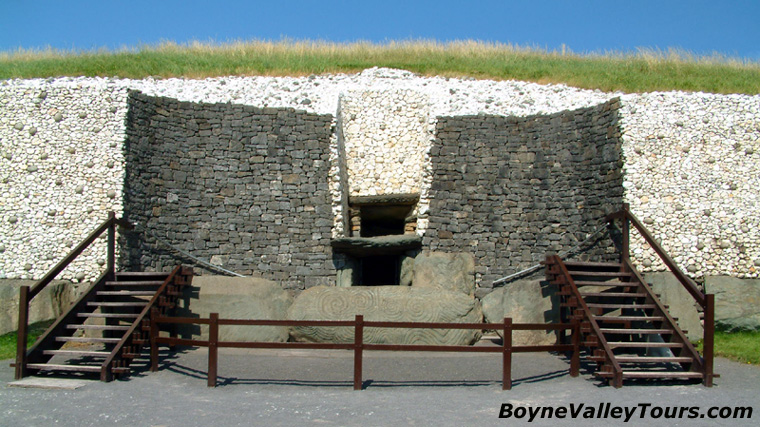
709,339
575,361
153,343
213,343
23,321
358,350
507,355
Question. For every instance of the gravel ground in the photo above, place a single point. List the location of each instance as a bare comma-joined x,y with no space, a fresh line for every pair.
299,387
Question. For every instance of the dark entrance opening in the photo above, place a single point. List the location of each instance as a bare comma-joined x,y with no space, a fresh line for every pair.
381,270
383,220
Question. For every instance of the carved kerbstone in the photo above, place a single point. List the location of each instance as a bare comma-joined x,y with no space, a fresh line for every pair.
525,301
450,271
385,303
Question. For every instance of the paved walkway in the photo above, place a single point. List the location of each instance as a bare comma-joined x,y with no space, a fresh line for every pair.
303,387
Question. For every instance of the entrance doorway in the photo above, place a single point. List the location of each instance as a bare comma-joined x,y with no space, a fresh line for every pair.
380,270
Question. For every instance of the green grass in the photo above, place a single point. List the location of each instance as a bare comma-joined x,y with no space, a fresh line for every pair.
638,72
8,341
740,346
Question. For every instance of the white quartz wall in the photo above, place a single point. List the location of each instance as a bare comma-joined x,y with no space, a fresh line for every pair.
61,171
385,136
692,174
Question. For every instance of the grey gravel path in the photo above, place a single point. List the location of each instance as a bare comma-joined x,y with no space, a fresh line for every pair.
290,388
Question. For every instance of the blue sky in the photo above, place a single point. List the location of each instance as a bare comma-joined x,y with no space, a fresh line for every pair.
727,27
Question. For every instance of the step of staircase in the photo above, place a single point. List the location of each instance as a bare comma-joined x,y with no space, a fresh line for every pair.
99,327
117,304
125,316
632,331
622,319
126,293
645,359
605,283
61,367
643,344
591,264
614,294
621,306
580,273
94,353
144,283
142,275
88,340
653,375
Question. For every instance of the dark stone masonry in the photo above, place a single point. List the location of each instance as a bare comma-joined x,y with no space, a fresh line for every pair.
509,189
244,187
247,188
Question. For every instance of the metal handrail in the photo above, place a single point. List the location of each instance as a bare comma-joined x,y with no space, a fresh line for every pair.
106,225
106,368
706,301
616,368
662,309
540,265
626,215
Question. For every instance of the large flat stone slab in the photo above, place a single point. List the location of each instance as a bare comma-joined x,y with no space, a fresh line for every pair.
441,270
49,383
48,304
525,301
737,302
385,303
236,298
682,304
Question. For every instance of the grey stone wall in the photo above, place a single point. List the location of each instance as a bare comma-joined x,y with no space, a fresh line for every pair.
243,187
509,189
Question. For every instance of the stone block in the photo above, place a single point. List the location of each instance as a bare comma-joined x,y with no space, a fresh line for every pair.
682,304
525,301
737,302
236,298
48,304
407,270
385,303
450,271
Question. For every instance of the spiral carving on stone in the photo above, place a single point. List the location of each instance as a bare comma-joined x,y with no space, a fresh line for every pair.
386,303
333,304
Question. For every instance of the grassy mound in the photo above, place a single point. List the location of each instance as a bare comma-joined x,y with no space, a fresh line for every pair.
640,72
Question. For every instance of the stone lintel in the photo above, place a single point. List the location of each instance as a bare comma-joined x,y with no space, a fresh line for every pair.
380,245
385,199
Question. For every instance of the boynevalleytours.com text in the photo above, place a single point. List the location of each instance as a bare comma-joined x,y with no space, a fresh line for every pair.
627,413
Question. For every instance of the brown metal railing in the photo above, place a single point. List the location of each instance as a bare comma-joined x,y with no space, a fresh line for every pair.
359,346
555,262
706,301
26,294
114,361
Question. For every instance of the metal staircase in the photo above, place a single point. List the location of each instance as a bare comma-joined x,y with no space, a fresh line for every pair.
107,327
629,331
